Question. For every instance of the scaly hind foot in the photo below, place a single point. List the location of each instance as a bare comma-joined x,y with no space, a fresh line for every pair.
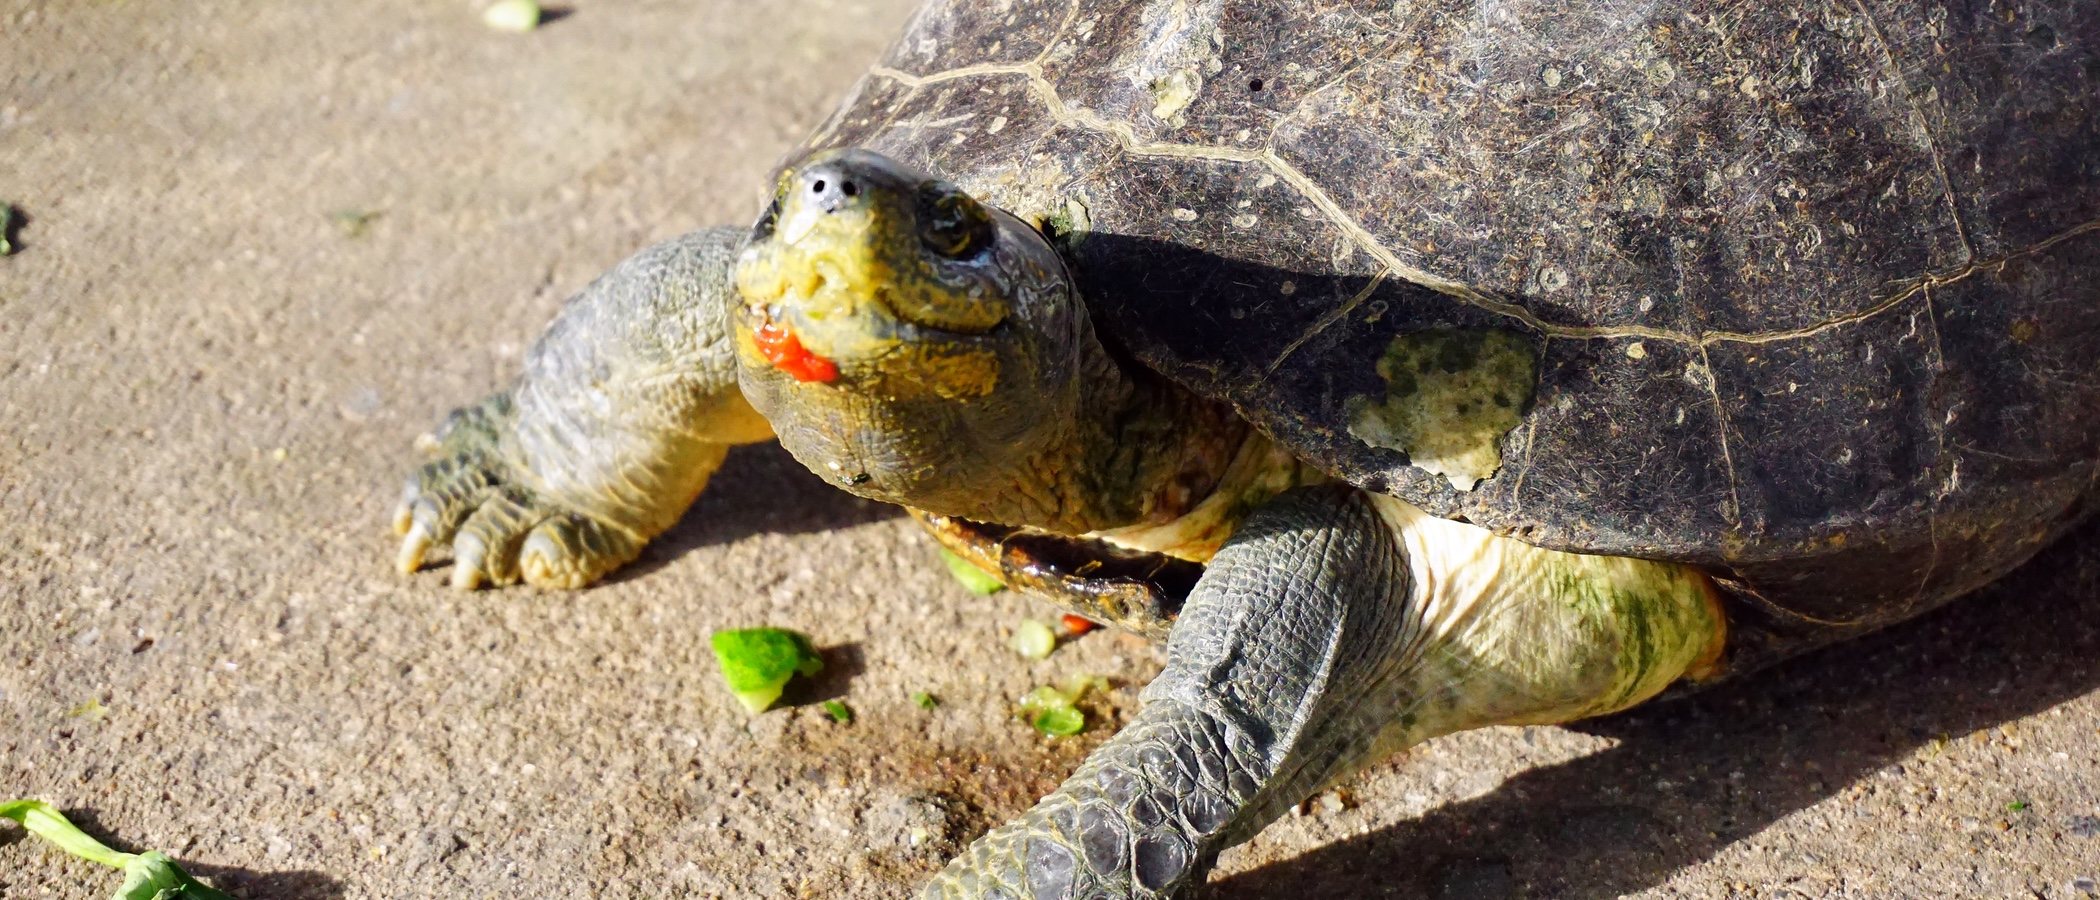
500,531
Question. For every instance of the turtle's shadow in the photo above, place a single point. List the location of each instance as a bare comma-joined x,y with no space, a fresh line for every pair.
235,881
1692,776
759,489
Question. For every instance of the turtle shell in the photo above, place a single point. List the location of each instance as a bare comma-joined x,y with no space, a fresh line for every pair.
1806,294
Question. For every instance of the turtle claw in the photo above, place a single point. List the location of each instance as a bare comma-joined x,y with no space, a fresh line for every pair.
414,544
473,566
485,551
499,532
437,499
573,551
500,535
404,513
466,568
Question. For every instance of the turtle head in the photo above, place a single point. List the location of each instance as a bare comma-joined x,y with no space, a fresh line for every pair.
906,341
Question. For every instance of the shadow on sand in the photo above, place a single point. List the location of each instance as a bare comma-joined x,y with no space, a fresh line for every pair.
760,489
1691,776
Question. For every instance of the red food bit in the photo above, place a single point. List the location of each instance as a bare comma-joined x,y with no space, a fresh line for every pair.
1078,625
785,351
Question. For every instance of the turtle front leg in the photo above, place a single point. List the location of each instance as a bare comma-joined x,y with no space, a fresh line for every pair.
1336,627
626,407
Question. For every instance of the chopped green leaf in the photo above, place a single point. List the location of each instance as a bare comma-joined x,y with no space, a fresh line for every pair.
147,876
923,700
9,219
512,15
837,711
1034,639
757,662
1059,721
1051,710
2016,806
973,579
353,222
1045,697
153,876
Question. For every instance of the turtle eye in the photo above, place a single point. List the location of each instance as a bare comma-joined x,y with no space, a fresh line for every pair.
951,224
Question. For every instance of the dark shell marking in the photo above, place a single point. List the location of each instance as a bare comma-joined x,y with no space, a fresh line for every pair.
1812,286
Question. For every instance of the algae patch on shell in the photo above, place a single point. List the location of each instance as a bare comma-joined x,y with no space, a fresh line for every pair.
1068,225
1450,396
1173,93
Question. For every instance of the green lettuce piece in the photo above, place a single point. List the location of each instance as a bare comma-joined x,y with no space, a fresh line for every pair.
1059,721
153,876
1033,639
1042,698
757,662
147,876
975,580
1052,710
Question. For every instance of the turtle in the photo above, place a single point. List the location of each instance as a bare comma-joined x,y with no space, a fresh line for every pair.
1401,367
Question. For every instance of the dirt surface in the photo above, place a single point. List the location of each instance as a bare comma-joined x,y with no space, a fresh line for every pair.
270,243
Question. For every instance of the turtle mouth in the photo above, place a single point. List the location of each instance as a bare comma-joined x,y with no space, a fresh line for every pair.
820,320
784,350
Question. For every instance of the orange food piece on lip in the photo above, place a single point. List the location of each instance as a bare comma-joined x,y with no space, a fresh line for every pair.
785,351
1078,625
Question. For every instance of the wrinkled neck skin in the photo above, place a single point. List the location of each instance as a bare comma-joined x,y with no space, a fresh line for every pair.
1132,449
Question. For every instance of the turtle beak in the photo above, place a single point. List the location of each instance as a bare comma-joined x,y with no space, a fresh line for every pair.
807,277
798,227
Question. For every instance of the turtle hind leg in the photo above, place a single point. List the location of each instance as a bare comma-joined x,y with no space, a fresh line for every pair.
1333,628
627,406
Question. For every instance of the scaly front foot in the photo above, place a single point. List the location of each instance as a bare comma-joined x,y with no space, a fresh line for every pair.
499,529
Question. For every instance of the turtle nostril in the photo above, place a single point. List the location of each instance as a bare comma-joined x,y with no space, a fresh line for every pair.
833,195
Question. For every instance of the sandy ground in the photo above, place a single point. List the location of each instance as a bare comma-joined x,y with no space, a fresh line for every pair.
269,243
